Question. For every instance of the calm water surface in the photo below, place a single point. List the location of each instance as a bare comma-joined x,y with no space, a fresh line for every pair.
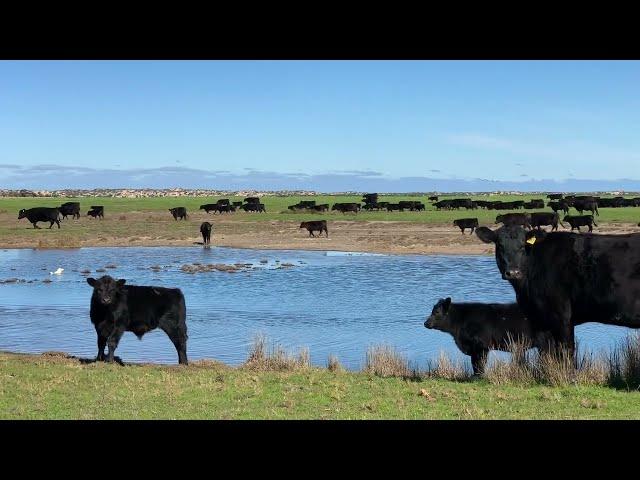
330,302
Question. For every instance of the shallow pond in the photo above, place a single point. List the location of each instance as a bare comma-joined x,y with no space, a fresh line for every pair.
331,302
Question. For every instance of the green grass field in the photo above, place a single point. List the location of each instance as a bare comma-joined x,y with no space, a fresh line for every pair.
43,387
277,208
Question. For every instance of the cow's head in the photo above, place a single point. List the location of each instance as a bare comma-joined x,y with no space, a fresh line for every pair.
106,288
303,224
439,315
513,244
22,213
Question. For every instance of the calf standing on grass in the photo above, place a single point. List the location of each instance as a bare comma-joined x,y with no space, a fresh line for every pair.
480,327
319,226
117,308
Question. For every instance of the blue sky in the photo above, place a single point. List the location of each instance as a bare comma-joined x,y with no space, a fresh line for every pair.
293,123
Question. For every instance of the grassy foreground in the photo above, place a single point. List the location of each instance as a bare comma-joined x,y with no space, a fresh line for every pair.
58,387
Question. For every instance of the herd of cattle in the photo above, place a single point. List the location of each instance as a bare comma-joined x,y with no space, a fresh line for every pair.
560,279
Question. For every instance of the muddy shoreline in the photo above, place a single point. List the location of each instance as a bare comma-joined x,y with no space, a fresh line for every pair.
386,237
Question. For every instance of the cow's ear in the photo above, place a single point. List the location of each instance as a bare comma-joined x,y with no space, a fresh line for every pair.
535,237
447,303
121,282
486,235
91,281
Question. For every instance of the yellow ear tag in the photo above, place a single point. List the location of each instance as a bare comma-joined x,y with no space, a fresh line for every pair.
531,241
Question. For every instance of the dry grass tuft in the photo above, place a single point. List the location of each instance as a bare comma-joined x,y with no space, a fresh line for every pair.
276,358
386,361
624,364
448,369
333,364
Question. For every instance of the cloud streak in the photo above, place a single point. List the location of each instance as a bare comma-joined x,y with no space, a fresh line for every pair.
51,176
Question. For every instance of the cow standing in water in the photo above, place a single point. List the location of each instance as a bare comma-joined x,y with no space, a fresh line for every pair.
205,230
117,308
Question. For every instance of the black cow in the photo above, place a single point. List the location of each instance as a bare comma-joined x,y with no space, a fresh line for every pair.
433,199
317,225
70,208
582,205
254,207
236,204
41,214
223,201
255,200
346,207
96,211
577,221
117,308
321,208
479,327
523,219
205,230
178,212
559,205
209,207
539,219
563,279
554,196
466,223
535,203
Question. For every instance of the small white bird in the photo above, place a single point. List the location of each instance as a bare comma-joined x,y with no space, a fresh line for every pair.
57,272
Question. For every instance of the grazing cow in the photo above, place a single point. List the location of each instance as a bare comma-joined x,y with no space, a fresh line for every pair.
70,208
479,327
563,279
523,219
539,219
577,221
255,200
41,214
178,212
346,207
559,205
223,201
554,196
321,208
117,308
317,225
205,230
236,204
466,223
433,199
96,211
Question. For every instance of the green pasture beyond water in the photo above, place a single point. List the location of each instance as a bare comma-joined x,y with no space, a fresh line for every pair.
277,208
39,387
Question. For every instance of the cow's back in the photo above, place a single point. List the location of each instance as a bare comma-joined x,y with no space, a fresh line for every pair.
598,274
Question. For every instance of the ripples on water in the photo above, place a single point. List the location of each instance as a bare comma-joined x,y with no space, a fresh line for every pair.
330,302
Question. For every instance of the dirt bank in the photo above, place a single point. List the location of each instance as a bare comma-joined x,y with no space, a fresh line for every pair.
149,229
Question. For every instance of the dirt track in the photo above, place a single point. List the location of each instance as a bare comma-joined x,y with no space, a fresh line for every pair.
144,229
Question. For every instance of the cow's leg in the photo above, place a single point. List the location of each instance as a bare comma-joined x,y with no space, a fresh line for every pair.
113,340
58,222
102,342
178,336
478,360
35,226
